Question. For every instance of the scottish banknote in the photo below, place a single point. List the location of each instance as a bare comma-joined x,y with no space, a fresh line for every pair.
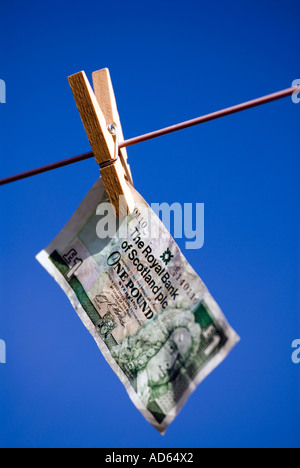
148,311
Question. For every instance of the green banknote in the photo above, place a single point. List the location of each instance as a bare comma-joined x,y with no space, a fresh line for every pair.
149,312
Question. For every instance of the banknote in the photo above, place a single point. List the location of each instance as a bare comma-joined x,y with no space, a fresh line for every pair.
150,314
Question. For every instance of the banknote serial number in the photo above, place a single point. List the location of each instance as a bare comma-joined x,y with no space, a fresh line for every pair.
158,457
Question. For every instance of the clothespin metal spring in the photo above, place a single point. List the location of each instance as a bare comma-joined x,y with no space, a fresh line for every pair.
113,129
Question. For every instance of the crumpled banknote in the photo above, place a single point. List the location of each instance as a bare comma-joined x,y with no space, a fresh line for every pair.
147,309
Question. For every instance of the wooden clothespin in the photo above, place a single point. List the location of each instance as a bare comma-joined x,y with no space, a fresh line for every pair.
101,121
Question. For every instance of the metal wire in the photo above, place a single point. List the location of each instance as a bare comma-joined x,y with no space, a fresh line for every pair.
157,133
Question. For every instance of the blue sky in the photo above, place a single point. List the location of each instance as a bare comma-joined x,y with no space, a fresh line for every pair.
169,61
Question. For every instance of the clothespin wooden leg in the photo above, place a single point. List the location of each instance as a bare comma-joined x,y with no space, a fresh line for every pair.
105,95
102,143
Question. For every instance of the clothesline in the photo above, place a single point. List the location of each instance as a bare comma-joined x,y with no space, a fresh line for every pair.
157,133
